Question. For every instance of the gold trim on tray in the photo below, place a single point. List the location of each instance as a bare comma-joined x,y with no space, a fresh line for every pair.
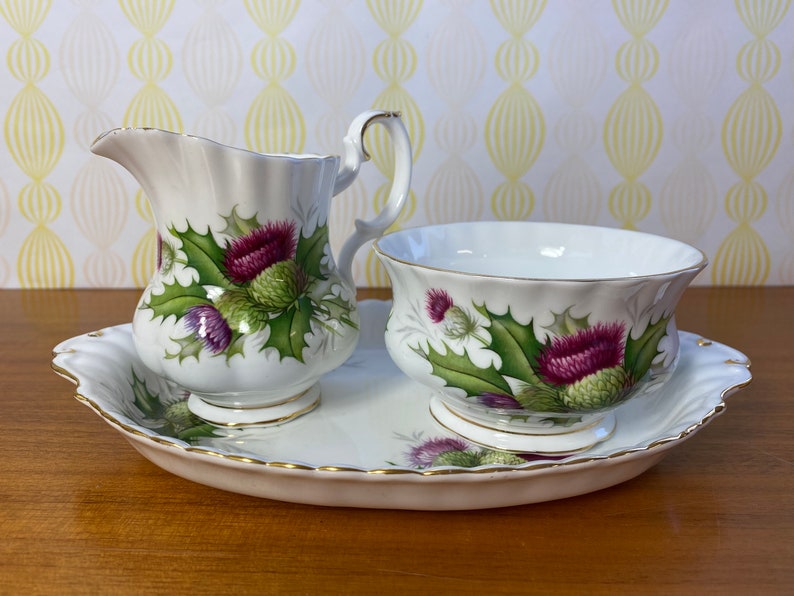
745,363
489,469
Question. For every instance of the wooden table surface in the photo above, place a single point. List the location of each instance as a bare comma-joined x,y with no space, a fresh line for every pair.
82,512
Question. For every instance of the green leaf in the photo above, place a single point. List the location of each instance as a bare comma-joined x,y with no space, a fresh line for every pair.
515,343
337,308
310,252
189,347
459,371
541,398
461,459
175,300
639,353
148,403
566,324
236,345
204,255
196,432
288,330
237,226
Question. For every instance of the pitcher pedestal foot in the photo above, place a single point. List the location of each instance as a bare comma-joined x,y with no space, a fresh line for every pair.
271,415
546,441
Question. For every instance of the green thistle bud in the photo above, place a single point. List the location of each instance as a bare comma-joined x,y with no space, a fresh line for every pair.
241,312
458,324
180,417
598,390
279,286
461,459
167,257
491,457
540,398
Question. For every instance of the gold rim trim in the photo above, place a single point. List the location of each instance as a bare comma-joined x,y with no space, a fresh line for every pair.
370,121
490,469
280,403
516,432
300,412
745,363
518,452
699,266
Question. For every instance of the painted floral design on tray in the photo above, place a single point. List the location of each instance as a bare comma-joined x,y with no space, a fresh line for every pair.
167,415
453,451
260,277
579,367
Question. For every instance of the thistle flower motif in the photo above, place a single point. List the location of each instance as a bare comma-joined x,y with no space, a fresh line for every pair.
503,458
588,364
499,401
209,326
460,459
166,255
159,251
249,255
455,452
240,312
437,303
604,388
457,323
180,417
279,286
424,454
570,358
540,398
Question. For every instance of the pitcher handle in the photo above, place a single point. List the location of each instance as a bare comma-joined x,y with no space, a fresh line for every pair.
355,154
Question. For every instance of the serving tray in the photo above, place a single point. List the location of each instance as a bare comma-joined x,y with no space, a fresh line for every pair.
372,441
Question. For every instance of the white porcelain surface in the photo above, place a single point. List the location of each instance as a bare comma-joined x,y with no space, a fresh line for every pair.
361,447
540,250
266,416
542,442
532,328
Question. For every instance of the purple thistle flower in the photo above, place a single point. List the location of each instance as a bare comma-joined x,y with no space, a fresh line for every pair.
570,358
249,255
159,251
499,400
437,303
422,455
209,326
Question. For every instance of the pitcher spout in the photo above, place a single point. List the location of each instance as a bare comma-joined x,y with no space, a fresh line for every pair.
183,175
149,154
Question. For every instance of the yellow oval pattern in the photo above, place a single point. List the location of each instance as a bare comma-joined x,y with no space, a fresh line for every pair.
28,60
515,128
394,62
633,132
669,117
578,61
633,127
34,136
751,134
274,122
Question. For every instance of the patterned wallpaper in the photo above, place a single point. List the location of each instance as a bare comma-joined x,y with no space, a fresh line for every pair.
673,117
